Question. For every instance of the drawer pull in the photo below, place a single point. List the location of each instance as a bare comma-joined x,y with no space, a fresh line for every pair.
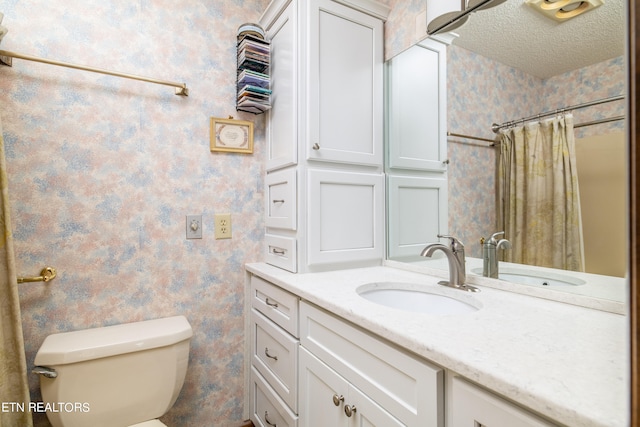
266,353
278,251
337,399
266,419
278,201
270,304
316,146
349,410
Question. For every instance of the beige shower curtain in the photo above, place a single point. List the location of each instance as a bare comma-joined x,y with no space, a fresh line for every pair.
537,195
14,390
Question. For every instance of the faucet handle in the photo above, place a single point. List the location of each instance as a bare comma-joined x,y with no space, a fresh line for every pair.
456,245
492,239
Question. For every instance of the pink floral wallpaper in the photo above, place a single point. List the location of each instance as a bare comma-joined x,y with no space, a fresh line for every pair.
103,171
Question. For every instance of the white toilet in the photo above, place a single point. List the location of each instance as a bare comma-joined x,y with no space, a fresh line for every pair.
116,376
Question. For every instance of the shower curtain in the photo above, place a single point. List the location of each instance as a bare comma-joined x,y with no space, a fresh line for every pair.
537,195
14,389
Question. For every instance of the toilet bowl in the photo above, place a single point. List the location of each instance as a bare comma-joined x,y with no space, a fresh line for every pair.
124,375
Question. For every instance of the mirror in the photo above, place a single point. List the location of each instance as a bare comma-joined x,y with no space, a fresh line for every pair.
510,62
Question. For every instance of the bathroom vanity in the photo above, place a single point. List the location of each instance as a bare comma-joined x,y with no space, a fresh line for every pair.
321,354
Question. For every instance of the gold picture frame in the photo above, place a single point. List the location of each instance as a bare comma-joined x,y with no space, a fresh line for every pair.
232,136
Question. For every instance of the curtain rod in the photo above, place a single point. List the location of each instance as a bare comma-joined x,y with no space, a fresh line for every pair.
496,127
477,138
579,125
5,58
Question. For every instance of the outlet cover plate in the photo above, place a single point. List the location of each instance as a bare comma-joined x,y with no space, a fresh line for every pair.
222,226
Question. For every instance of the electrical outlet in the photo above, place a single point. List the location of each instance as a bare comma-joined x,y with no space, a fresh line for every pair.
223,226
194,226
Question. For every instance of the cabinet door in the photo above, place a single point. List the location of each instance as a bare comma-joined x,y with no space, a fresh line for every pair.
325,396
367,413
281,131
319,386
346,217
417,108
417,213
345,85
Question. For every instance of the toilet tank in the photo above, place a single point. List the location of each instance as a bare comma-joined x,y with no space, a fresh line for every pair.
115,375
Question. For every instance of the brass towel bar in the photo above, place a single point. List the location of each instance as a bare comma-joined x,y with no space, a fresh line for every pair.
47,274
5,58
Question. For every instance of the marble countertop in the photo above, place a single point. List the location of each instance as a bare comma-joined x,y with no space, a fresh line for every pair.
566,362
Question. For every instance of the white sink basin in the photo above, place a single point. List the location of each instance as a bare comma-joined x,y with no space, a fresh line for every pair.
405,296
535,278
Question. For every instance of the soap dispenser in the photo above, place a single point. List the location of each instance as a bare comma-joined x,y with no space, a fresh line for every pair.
489,256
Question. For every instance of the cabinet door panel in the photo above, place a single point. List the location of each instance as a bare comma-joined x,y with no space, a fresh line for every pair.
346,217
417,108
417,213
318,385
368,413
345,85
281,118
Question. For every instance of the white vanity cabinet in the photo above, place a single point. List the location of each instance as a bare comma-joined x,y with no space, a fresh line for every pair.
348,374
472,406
274,345
325,134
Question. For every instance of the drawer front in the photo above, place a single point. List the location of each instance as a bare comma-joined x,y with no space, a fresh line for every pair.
409,388
280,200
281,252
472,406
274,353
267,409
276,304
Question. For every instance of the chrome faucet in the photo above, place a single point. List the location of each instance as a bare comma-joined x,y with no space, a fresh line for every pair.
455,256
490,256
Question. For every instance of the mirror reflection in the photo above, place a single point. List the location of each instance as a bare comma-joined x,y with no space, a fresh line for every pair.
508,63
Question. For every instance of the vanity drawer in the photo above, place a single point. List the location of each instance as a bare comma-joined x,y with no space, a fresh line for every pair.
472,406
280,199
267,409
276,304
281,252
408,387
274,353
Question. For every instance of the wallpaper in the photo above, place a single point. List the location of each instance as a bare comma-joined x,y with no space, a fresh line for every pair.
103,171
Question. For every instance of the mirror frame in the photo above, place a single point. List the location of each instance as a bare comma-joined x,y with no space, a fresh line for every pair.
633,54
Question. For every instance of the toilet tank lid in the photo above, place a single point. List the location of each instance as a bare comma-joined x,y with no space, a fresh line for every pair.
87,344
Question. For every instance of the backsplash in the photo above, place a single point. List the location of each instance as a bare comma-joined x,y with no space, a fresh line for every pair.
103,171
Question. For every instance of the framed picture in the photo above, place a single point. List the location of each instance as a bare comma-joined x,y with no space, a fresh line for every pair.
235,136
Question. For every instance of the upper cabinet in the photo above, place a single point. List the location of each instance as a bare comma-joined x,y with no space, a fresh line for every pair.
282,124
325,182
417,111
345,81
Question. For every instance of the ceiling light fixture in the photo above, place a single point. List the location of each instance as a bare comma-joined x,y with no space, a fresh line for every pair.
444,16
563,10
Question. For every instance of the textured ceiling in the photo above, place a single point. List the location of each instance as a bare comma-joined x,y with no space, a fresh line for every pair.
515,34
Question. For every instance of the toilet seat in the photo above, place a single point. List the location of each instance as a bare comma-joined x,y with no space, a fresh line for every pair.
150,423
